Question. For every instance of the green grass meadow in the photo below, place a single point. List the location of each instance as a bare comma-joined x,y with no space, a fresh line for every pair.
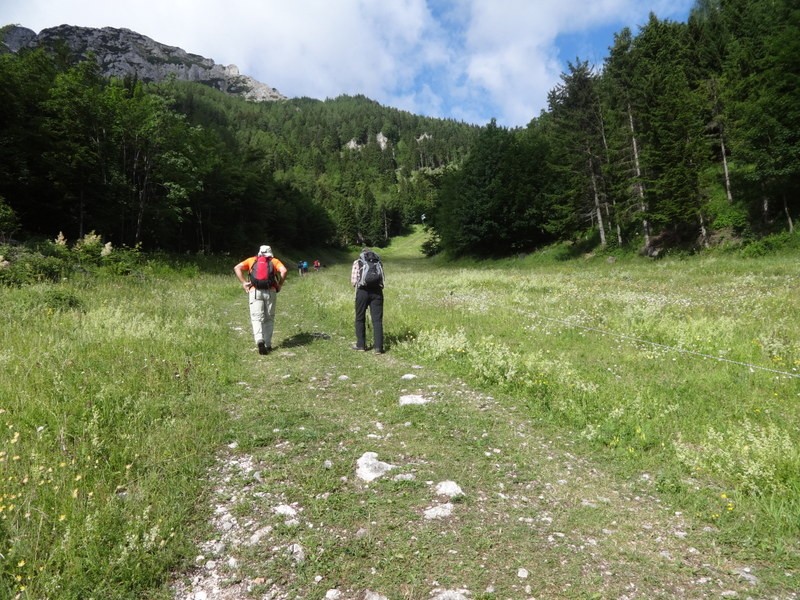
582,405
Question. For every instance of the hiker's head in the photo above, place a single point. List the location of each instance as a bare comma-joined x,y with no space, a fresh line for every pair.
265,251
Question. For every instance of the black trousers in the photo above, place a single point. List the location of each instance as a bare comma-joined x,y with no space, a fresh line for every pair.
374,300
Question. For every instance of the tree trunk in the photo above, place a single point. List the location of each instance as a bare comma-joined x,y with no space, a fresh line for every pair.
81,210
703,231
639,186
613,199
142,201
725,169
788,214
597,207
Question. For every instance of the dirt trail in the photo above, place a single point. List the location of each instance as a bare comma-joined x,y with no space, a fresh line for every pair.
537,521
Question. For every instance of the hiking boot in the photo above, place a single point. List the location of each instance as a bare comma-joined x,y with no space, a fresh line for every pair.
379,350
262,348
355,347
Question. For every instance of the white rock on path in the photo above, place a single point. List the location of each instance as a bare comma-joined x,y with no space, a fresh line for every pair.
297,553
449,488
439,512
413,399
370,468
285,510
452,595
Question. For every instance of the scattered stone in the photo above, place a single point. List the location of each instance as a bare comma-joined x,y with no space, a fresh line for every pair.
370,468
333,594
439,512
522,573
258,535
451,595
297,553
408,376
410,399
343,378
449,488
404,477
745,574
285,510
370,595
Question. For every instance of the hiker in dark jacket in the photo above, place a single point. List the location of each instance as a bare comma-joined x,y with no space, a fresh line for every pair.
368,279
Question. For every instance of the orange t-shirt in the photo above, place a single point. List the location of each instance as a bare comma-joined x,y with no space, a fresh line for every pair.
248,263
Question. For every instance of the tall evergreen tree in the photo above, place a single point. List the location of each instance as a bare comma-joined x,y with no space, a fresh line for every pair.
577,124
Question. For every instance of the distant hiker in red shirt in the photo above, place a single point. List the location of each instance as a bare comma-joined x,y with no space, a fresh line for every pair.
262,277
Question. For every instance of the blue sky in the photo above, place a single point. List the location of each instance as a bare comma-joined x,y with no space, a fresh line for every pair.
469,60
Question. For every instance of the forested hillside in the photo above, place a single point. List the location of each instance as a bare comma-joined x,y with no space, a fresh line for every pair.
687,136
182,167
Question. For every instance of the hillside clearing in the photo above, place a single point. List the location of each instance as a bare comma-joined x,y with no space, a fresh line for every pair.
541,516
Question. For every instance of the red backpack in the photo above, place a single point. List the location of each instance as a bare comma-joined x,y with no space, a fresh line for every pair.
262,273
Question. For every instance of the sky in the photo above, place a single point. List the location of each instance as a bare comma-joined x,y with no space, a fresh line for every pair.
467,60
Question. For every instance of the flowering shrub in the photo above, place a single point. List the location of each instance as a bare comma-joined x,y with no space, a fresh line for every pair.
488,360
758,459
88,249
55,260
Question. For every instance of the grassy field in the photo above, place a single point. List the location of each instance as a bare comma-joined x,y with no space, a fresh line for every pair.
618,429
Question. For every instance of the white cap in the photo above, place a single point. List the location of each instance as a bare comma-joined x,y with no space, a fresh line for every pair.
265,251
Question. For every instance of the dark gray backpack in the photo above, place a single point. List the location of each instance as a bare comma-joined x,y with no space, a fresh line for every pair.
371,271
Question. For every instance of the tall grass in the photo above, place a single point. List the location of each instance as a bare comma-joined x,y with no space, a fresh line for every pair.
111,404
116,393
689,369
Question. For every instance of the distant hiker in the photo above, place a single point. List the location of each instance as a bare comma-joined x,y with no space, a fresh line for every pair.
316,264
305,267
262,277
300,268
367,278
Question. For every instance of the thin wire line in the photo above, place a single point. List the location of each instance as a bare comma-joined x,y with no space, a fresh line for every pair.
666,347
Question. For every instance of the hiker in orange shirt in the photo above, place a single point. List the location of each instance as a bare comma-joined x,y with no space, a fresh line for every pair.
261,289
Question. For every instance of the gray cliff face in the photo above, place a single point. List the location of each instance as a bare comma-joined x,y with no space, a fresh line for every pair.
121,52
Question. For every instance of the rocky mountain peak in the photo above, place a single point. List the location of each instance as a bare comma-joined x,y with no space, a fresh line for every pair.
122,52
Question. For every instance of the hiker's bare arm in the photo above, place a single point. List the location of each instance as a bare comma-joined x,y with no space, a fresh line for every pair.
238,270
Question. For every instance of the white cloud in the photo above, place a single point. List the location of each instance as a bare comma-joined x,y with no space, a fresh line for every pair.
466,59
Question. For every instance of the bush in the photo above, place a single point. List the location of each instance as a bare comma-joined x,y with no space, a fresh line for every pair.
724,215
757,459
22,266
9,223
121,261
52,261
771,244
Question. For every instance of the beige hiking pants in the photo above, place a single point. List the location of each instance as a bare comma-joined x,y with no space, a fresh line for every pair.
262,314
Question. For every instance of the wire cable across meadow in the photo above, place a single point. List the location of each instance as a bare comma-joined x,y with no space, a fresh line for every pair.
631,338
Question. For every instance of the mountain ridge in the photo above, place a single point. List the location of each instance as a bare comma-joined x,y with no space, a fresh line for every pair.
122,52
